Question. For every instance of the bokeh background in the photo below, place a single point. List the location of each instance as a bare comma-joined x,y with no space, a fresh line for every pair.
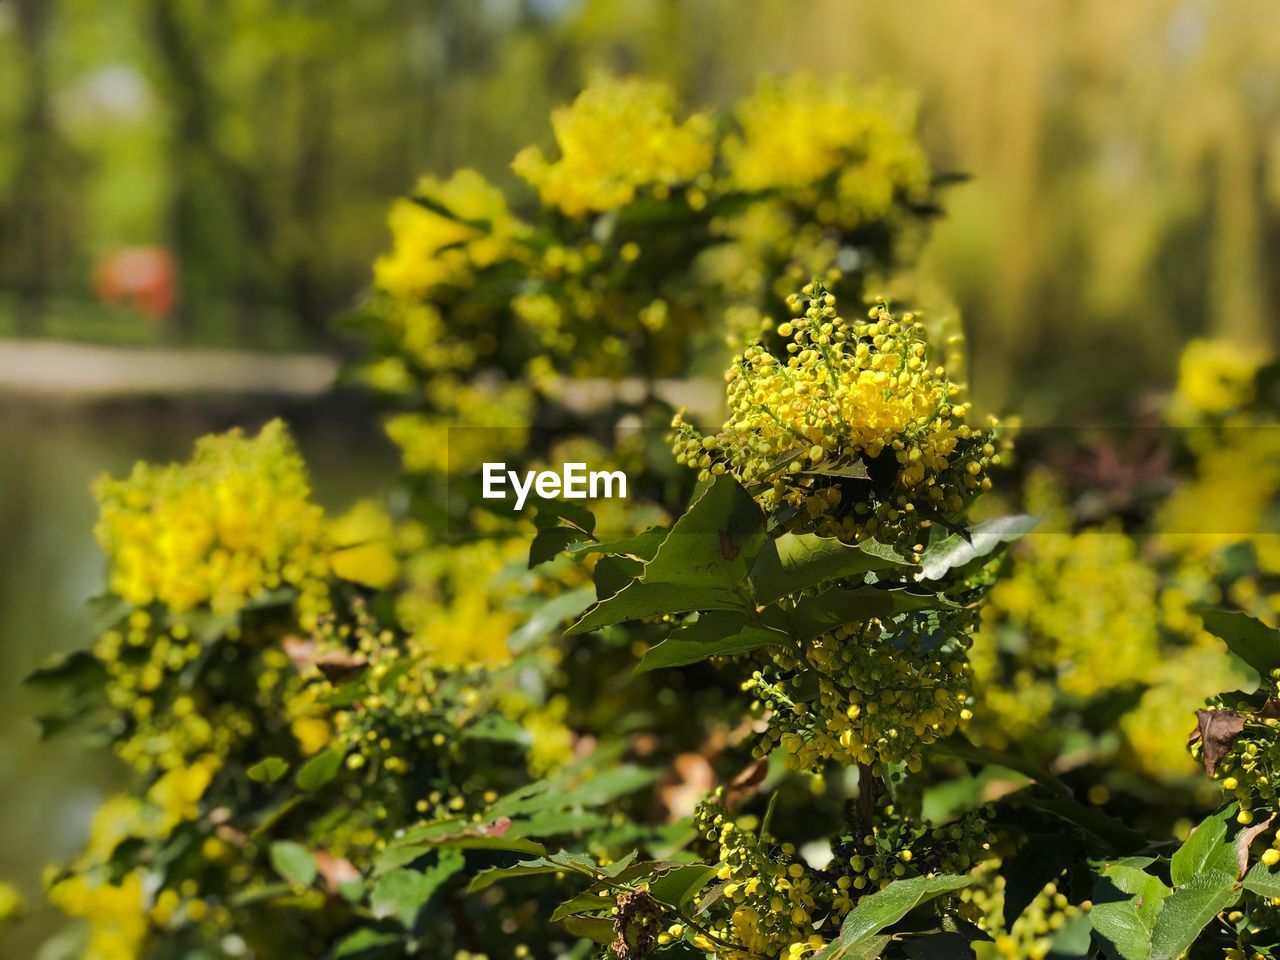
191,195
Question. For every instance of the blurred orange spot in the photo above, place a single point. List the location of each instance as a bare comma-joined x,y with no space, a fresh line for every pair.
144,278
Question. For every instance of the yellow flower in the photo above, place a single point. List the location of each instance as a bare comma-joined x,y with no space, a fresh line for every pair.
799,131
234,522
115,913
362,540
10,902
617,137
1214,376
454,227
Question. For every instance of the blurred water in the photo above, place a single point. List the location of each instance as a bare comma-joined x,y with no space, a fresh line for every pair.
50,564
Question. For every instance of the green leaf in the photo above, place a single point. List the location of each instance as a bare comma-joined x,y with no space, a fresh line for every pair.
320,769
550,543
886,907
813,616
583,903
960,748
562,862
76,671
701,565
714,543
403,893
363,941
716,633
985,538
1188,910
643,546
641,599
800,561
1206,849
268,770
1262,881
1112,832
294,862
1251,640
552,513
548,616
1126,901
591,928
682,884
938,946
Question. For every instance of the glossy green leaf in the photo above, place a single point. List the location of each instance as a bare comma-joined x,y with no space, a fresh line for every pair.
403,893
294,862
795,562
268,770
1251,640
1188,910
320,769
983,539
717,633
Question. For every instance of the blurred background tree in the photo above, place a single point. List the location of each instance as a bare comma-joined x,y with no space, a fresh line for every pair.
1125,179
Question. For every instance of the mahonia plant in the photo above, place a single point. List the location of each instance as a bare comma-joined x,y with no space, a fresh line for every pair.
724,718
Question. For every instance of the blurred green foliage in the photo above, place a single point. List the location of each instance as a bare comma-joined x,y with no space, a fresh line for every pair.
1124,197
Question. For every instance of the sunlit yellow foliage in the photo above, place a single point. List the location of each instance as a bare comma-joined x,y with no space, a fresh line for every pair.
235,521
115,913
363,550
456,603
798,131
452,227
477,423
617,137
1214,376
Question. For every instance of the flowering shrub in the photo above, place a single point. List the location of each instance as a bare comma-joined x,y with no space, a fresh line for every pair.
793,702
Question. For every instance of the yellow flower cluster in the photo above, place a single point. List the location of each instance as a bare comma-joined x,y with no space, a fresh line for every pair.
115,913
773,898
457,605
471,423
449,229
234,522
1214,377
1031,935
854,435
849,153
1084,610
618,137
885,691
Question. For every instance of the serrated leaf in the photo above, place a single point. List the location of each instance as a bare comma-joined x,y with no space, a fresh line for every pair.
403,893
562,862
801,561
1126,901
643,546
813,616
1207,848
583,903
268,770
294,862
1188,910
550,543
1262,881
886,907
985,538
701,565
716,633
679,886
320,769
1251,640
